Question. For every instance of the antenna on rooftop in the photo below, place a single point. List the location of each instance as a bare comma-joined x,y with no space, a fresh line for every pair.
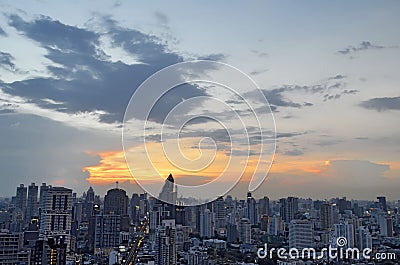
116,184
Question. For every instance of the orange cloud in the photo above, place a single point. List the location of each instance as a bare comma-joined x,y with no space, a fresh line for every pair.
112,167
208,164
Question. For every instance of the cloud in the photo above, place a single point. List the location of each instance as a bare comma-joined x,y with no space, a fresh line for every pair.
7,61
329,179
276,98
288,135
382,104
258,72
363,46
294,152
329,90
260,53
2,32
83,79
337,77
37,149
161,17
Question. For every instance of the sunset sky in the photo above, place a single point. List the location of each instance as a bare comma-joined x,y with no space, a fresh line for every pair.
329,69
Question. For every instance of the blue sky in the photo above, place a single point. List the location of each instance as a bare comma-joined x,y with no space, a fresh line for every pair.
328,68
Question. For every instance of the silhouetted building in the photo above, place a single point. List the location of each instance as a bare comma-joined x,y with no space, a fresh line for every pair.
116,202
32,209
20,199
382,203
168,192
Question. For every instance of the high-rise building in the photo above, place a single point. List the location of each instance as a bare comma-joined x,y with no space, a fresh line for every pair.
231,233
364,238
106,232
134,206
20,199
263,206
88,204
244,231
275,225
301,234
56,214
345,230
382,203
43,193
169,191
385,225
11,249
329,216
219,210
206,223
166,252
251,212
116,202
32,209
288,208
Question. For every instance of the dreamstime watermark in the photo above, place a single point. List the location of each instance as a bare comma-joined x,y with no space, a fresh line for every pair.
341,252
207,123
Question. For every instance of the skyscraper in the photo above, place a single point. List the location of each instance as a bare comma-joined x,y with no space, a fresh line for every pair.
32,204
168,192
134,205
245,231
263,206
288,208
206,223
116,202
21,199
382,203
43,193
251,212
329,215
166,252
219,210
56,214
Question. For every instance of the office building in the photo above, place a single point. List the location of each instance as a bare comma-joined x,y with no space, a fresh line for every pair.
301,234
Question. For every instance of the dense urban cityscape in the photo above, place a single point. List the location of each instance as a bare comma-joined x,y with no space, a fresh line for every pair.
52,225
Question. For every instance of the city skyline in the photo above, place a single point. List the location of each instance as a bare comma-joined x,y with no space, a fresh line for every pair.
330,76
116,229
242,197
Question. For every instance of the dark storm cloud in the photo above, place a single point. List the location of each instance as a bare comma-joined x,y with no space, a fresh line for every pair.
84,79
364,45
6,61
382,104
36,149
